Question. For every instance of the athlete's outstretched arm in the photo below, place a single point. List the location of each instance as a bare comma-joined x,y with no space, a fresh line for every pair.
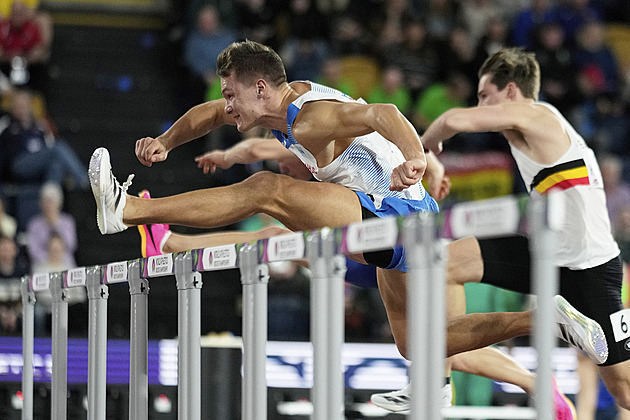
250,150
196,122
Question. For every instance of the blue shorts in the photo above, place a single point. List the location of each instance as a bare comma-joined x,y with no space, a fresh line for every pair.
360,274
392,259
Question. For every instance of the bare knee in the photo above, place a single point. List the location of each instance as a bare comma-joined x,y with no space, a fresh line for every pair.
464,263
262,188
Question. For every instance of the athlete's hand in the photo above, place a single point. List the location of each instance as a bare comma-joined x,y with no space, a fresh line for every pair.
150,150
407,174
439,187
210,161
432,145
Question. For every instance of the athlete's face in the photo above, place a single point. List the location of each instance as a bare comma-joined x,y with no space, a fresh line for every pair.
241,102
489,94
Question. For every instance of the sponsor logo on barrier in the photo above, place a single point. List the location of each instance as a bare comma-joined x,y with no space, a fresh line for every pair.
160,265
116,273
40,281
74,277
285,247
485,218
371,234
218,258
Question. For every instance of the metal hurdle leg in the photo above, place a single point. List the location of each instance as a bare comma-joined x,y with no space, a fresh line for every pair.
189,340
97,344
426,314
59,381
545,285
327,330
254,278
28,334
138,363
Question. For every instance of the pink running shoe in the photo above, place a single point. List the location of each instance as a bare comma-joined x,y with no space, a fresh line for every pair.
153,237
562,406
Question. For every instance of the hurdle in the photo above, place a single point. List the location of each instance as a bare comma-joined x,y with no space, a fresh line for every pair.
324,249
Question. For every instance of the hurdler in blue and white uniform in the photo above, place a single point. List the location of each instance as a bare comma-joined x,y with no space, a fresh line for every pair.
365,167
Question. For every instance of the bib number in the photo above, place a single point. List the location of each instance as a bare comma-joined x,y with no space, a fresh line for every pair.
619,321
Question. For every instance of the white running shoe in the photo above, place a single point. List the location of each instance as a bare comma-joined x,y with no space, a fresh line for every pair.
581,331
400,401
110,196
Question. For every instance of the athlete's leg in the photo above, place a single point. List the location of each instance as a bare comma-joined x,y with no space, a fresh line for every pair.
299,205
586,398
492,363
463,265
474,331
392,284
617,380
183,242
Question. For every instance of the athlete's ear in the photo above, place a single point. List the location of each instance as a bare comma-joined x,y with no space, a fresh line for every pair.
512,90
260,86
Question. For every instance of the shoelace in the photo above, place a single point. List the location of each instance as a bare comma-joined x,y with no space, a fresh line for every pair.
125,185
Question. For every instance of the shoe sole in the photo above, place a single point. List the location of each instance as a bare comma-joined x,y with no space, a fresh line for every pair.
595,337
96,181
143,229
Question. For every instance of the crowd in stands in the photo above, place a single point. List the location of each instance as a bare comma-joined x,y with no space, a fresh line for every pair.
36,165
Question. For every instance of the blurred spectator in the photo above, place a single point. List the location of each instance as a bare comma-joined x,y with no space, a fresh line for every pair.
416,56
350,37
11,318
558,84
203,45
495,37
56,256
440,16
25,46
190,11
525,24
306,46
30,151
475,14
331,75
458,55
12,265
305,21
303,58
50,222
256,21
8,224
595,61
439,98
395,13
572,15
56,261
392,90
616,188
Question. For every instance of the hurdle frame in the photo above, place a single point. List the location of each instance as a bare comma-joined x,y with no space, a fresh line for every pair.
324,249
